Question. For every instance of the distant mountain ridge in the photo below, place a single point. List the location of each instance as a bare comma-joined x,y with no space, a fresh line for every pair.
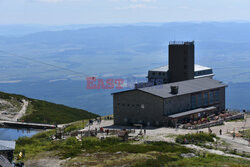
124,51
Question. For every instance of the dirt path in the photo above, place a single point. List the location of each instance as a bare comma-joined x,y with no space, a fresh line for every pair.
237,143
22,111
218,152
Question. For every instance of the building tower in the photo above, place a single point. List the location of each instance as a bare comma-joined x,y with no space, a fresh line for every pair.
181,61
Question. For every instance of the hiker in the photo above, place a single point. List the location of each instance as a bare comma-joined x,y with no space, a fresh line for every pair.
185,140
209,130
248,142
220,132
144,131
107,131
233,135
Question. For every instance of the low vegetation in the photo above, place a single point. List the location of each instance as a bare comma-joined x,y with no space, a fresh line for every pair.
195,137
246,134
112,151
208,160
40,111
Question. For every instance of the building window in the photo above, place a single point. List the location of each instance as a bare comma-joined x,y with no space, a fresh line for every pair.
142,106
211,97
205,99
159,73
185,74
153,73
216,96
185,52
193,101
125,120
128,105
199,100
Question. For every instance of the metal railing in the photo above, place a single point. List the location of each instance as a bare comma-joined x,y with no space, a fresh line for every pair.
181,42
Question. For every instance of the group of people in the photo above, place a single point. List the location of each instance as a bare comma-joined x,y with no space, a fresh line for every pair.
97,120
210,131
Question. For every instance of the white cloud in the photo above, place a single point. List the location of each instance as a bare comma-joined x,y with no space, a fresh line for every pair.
50,1
12,81
55,80
57,1
135,6
109,75
139,1
183,7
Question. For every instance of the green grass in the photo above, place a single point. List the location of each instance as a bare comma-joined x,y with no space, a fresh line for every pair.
195,137
71,147
36,144
104,152
208,161
42,142
247,134
75,126
115,145
40,111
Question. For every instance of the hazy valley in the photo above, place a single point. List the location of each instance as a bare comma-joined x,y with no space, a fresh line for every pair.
53,65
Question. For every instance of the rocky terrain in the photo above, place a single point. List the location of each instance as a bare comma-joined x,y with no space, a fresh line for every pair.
12,109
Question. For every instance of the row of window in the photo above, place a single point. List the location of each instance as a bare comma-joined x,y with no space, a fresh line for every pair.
204,98
159,73
205,72
131,105
147,123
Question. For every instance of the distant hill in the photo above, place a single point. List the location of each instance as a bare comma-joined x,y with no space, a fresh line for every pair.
124,51
40,111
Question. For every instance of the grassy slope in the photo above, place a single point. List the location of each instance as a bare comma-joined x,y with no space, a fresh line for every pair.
40,111
113,152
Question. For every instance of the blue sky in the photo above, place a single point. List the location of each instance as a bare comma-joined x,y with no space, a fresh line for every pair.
62,12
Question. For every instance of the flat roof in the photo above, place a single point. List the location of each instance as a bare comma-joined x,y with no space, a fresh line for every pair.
198,110
197,67
185,87
7,145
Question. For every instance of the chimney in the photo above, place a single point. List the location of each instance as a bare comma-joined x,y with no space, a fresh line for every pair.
174,89
181,61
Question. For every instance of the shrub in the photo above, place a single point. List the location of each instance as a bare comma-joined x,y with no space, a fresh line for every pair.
161,160
70,147
75,126
195,137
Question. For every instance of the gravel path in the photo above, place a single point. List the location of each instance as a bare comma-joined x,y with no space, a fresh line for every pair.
22,111
218,152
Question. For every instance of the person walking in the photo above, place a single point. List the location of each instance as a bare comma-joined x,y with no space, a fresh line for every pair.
220,132
233,135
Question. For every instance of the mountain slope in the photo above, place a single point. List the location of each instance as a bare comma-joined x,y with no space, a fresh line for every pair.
39,111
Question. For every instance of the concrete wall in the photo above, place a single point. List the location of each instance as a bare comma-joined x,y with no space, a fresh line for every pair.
181,62
177,104
136,106
183,103
222,96
128,107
